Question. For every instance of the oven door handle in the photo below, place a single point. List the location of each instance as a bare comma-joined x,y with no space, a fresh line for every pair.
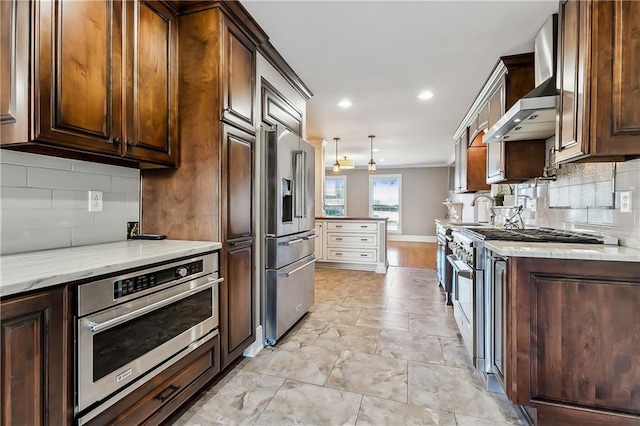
460,268
98,327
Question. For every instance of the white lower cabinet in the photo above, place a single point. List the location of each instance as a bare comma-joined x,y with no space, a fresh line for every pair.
353,244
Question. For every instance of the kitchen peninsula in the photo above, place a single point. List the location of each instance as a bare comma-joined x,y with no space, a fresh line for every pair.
352,243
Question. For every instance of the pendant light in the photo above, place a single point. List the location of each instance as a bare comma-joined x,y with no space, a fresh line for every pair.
336,165
346,164
371,167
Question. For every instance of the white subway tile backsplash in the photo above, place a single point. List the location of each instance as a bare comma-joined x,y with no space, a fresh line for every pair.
627,166
35,160
24,219
12,175
114,201
45,202
63,179
69,199
105,169
98,234
123,184
17,241
628,181
25,198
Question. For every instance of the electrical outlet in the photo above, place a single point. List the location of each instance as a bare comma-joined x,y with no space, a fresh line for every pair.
95,201
625,202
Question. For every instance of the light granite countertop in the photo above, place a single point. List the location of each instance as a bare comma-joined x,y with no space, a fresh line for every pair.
24,272
564,251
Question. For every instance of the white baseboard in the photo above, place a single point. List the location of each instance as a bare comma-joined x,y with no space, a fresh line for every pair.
256,346
412,238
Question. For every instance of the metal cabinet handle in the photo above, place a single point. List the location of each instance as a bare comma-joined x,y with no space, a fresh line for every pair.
338,239
96,328
338,226
364,239
288,274
167,392
310,237
364,226
364,255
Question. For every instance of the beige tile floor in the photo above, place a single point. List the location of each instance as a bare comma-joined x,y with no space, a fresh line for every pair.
374,350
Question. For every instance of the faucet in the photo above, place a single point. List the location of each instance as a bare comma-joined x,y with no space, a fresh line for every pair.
492,213
473,203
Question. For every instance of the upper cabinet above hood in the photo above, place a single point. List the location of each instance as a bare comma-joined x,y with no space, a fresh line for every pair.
534,116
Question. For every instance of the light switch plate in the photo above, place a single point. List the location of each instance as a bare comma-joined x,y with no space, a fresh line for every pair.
625,202
95,201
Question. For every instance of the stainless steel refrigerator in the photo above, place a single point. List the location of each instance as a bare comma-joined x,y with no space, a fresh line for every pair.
289,223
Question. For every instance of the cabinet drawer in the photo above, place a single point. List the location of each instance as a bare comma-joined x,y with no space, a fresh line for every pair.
352,255
358,240
352,226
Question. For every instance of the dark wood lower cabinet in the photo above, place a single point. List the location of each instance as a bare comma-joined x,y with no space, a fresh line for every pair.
575,340
35,354
237,319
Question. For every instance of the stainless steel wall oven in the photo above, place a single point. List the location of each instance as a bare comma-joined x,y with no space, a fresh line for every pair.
130,326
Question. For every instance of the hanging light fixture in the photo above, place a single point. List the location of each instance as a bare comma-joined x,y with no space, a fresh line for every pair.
371,167
346,164
336,165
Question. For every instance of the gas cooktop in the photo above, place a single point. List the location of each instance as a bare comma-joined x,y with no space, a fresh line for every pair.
540,235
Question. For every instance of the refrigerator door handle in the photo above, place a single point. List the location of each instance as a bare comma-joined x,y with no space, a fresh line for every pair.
303,193
298,185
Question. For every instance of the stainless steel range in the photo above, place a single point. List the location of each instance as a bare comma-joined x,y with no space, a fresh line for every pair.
474,290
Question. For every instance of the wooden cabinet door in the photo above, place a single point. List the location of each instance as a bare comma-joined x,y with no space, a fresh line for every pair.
571,80
78,74
238,86
152,83
495,150
14,69
35,359
615,113
237,316
237,183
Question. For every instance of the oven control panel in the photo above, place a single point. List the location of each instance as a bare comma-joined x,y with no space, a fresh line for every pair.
142,282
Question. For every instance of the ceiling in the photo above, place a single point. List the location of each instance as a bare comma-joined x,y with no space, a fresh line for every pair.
381,54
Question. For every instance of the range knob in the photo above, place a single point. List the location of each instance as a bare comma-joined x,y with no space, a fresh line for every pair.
182,272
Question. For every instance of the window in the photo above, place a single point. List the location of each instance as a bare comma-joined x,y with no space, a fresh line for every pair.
335,196
385,200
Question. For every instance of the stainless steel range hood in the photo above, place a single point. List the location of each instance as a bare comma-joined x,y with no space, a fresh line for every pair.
534,116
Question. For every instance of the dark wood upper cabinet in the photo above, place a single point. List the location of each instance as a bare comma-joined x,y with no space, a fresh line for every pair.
103,80
599,59
78,75
277,110
239,59
470,164
36,359
15,18
152,82
512,161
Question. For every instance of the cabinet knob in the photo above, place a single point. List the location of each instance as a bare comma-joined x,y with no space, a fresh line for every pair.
130,143
116,141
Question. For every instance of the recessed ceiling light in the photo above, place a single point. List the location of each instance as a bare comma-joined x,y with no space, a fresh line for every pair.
345,103
427,94
381,160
